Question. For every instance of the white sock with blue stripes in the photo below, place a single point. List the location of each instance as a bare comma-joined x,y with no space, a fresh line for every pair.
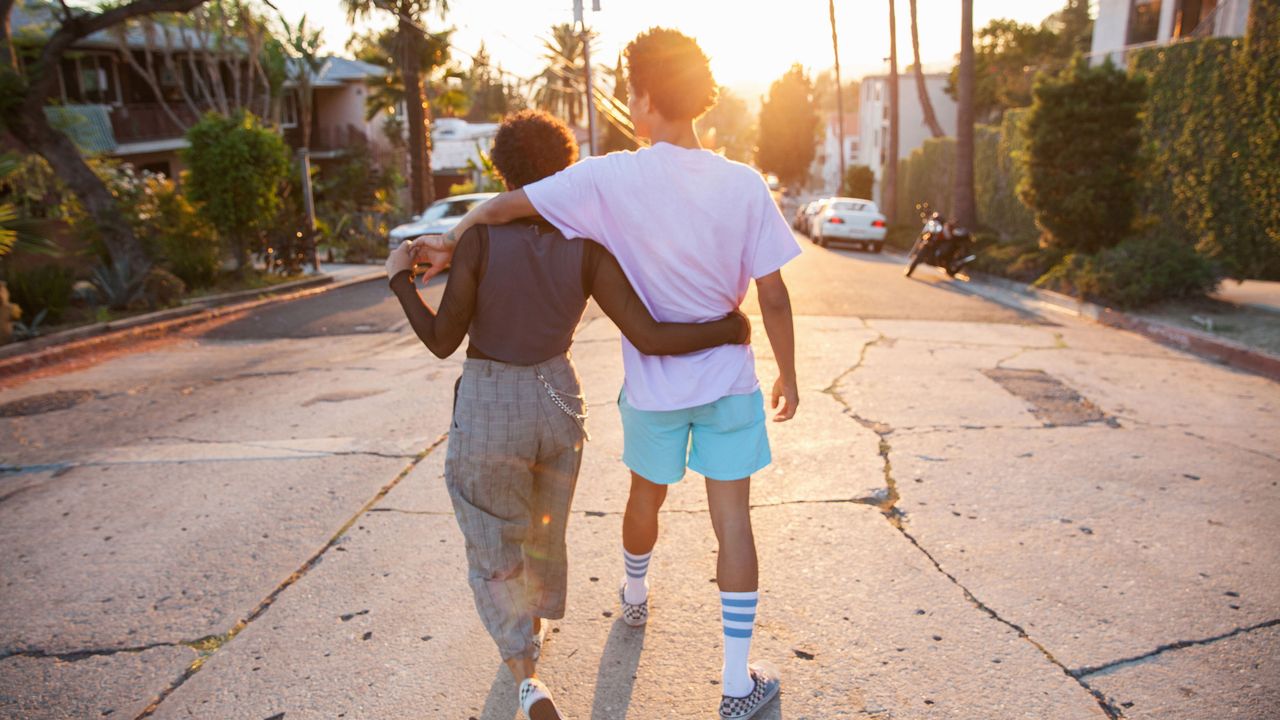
637,589
738,611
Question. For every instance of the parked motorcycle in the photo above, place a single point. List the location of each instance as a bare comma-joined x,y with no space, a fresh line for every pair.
943,245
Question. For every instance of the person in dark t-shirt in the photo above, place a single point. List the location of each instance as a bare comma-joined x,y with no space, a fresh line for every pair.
515,445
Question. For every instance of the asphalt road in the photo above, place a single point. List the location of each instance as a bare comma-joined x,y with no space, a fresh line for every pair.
975,514
823,281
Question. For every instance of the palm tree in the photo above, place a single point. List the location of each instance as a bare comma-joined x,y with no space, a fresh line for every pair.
303,46
835,49
561,88
965,211
409,33
889,181
930,118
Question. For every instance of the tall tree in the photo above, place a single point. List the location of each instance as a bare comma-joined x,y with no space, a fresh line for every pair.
727,127
835,50
889,178
302,44
22,115
561,88
788,127
930,117
965,210
614,137
410,34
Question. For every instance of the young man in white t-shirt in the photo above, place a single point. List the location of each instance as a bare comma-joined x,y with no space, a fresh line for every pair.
691,231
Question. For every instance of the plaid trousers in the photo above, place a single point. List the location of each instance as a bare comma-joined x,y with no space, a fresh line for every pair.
511,468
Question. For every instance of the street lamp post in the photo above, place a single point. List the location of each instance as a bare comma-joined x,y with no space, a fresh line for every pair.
580,20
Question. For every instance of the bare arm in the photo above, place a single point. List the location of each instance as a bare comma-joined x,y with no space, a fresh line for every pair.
443,332
498,210
775,306
609,286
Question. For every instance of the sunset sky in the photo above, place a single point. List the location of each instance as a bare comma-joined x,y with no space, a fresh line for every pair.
751,42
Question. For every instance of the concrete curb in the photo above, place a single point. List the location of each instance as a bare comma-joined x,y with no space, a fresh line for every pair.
1043,302
96,338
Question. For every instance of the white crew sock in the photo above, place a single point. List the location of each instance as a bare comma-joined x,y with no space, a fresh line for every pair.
738,613
637,588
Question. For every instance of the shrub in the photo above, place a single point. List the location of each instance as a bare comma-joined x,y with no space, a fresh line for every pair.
1082,156
236,169
164,221
858,182
1212,125
162,288
1139,271
45,287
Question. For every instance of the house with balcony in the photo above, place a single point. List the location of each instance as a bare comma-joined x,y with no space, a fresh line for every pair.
1126,25
826,161
873,120
132,94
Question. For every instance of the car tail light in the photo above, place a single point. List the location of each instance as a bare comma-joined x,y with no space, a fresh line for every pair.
877,223
835,220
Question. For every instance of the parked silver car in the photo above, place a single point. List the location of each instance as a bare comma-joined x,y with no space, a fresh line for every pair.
439,217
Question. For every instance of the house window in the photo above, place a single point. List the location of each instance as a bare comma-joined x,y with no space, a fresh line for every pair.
1190,14
289,110
1144,21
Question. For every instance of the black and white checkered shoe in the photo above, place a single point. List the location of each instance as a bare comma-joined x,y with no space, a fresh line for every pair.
766,688
634,615
532,692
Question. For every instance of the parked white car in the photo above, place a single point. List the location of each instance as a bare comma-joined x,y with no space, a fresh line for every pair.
810,213
849,219
439,217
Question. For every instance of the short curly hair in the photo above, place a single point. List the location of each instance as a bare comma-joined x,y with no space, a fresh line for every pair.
531,145
672,70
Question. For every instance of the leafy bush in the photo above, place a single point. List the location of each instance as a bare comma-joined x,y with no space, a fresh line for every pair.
42,288
236,169
858,182
163,220
1137,272
1212,125
1082,157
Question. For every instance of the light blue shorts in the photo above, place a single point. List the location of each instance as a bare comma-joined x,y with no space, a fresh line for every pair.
723,440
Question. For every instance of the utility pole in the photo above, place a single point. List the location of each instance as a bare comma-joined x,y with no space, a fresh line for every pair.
835,49
580,20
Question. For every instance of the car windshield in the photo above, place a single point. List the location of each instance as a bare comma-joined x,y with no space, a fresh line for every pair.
849,206
447,209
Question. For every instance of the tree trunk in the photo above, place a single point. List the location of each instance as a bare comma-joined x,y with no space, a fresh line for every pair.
965,211
34,131
889,178
9,59
835,49
930,117
415,119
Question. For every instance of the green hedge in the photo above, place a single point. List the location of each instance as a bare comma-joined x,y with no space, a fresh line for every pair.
928,176
1212,127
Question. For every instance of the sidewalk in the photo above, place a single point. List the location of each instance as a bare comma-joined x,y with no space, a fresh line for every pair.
1260,294
17,358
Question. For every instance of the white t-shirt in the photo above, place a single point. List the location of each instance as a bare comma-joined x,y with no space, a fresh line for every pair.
691,230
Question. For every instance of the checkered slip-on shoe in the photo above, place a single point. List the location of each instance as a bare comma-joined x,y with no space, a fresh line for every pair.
766,688
532,691
633,615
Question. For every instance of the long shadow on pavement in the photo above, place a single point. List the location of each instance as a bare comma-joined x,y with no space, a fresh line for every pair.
617,674
501,703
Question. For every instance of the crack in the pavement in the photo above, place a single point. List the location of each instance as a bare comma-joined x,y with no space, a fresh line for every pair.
312,453
213,643
896,518
78,655
1179,645
403,511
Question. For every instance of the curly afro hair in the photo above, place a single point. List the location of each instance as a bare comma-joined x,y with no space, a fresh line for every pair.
672,70
531,145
